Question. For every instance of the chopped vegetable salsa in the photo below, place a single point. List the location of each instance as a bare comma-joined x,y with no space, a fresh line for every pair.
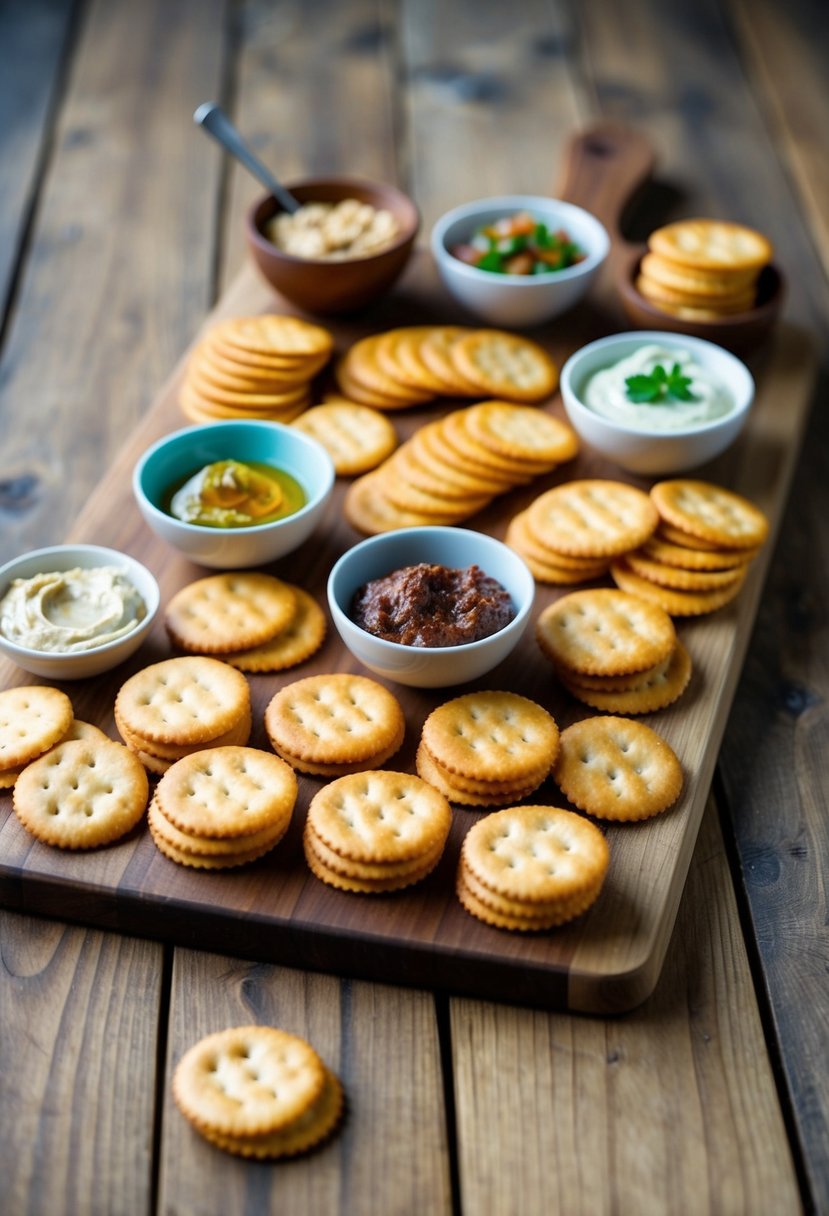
519,244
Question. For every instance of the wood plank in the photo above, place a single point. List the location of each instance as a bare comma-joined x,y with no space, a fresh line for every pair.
78,1012
609,957
666,1110
390,1155
33,41
105,305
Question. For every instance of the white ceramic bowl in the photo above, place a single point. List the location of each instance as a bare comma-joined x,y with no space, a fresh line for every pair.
87,662
512,299
184,452
656,452
420,666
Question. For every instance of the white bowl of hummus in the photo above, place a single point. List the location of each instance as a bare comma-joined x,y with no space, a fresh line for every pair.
655,402
72,611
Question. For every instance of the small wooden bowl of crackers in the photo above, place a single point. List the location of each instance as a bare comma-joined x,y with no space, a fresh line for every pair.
707,278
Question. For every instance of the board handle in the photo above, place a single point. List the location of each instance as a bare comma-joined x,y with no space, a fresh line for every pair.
604,166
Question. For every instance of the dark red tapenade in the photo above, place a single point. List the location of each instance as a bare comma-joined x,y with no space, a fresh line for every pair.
427,605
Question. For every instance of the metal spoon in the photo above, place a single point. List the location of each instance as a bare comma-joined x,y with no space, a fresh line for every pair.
214,120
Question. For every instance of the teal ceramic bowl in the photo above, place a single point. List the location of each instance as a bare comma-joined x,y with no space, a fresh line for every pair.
183,453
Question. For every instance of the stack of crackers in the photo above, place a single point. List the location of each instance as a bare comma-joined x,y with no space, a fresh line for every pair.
331,725
452,468
487,748
703,270
617,769
254,367
179,706
223,807
699,556
614,651
258,1092
253,621
573,532
413,365
531,867
375,832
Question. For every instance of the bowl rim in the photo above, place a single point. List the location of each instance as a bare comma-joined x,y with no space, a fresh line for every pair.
644,337
266,246
443,255
111,557
384,646
312,504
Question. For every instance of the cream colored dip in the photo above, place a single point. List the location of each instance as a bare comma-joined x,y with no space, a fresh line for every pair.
66,611
605,393
333,231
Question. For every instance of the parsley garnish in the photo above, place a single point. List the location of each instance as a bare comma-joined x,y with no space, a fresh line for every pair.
660,386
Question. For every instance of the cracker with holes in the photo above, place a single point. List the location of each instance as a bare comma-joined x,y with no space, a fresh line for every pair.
522,433
356,437
222,807
487,748
179,706
375,831
710,513
330,725
227,612
299,640
33,718
82,794
615,768
505,365
257,1091
593,518
639,693
605,632
531,867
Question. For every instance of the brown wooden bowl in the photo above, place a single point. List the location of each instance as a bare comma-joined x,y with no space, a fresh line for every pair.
321,286
740,332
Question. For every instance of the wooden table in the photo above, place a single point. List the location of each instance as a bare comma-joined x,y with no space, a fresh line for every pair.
119,226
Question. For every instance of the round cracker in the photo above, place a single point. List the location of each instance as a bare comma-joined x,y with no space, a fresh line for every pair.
677,603
658,689
334,719
300,639
272,334
615,768
605,632
227,792
491,736
710,512
521,432
307,1132
32,719
183,701
356,437
504,364
711,245
227,612
592,518
82,794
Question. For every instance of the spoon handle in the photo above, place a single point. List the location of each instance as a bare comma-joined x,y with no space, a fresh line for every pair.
214,120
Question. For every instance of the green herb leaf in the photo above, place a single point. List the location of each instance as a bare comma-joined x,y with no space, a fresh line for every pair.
659,386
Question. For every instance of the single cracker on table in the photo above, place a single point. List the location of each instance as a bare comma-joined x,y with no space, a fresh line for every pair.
605,632
187,700
334,719
615,768
263,1076
227,612
82,794
33,718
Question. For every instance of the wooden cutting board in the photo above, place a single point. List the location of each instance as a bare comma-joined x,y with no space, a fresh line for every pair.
275,910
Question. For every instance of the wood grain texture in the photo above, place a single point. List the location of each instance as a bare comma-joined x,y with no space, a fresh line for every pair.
668,1110
390,1154
78,1019
34,37
114,283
